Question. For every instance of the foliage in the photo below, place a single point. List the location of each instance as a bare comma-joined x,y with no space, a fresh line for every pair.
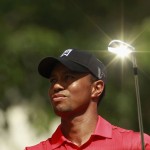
33,29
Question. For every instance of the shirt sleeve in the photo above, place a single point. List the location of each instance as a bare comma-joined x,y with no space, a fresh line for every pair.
147,141
36,147
44,145
132,140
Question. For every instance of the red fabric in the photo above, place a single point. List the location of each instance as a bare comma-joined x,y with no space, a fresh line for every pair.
105,137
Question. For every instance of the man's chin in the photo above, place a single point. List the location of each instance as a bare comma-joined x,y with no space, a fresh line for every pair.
61,111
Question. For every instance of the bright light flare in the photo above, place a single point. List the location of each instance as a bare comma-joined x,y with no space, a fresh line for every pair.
120,48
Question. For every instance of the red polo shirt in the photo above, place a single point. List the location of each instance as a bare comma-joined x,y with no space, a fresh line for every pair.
105,137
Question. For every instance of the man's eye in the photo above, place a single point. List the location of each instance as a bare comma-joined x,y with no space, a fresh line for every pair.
52,80
69,76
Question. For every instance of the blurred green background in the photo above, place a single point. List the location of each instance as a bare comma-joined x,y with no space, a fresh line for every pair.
31,30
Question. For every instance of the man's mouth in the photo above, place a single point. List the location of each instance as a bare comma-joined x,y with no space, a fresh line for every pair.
58,97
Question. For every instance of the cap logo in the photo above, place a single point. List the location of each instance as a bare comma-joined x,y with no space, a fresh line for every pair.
100,73
66,52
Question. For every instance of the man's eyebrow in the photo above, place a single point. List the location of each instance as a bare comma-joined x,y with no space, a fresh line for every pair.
73,72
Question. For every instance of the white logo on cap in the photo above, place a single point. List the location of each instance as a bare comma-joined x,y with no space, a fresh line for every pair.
66,52
100,73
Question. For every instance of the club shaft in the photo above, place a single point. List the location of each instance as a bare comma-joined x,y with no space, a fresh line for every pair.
138,101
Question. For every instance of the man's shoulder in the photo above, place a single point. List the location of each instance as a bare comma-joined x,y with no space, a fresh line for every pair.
47,144
130,136
124,132
43,145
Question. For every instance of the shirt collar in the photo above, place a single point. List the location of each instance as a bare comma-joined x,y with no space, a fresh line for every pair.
103,129
58,138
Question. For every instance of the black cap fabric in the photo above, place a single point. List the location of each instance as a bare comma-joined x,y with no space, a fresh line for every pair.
75,60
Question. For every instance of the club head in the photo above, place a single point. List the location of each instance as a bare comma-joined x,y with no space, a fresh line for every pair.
120,48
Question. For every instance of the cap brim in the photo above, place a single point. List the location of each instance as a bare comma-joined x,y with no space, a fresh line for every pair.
47,64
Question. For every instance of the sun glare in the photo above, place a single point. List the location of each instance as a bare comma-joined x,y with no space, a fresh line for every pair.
120,48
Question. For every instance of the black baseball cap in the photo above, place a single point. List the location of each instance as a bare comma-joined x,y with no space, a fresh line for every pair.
75,60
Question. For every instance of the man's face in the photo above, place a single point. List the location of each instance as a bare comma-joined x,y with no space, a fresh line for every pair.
69,92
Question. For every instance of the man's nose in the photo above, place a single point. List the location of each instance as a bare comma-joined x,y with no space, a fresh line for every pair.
58,86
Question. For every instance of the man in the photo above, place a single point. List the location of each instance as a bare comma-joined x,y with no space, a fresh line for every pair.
77,85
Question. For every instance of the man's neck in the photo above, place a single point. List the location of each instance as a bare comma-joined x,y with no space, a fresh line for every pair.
79,129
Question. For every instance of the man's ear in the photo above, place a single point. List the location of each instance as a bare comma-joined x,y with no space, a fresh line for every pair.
97,89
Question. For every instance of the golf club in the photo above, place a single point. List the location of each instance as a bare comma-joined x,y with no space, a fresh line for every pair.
123,49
